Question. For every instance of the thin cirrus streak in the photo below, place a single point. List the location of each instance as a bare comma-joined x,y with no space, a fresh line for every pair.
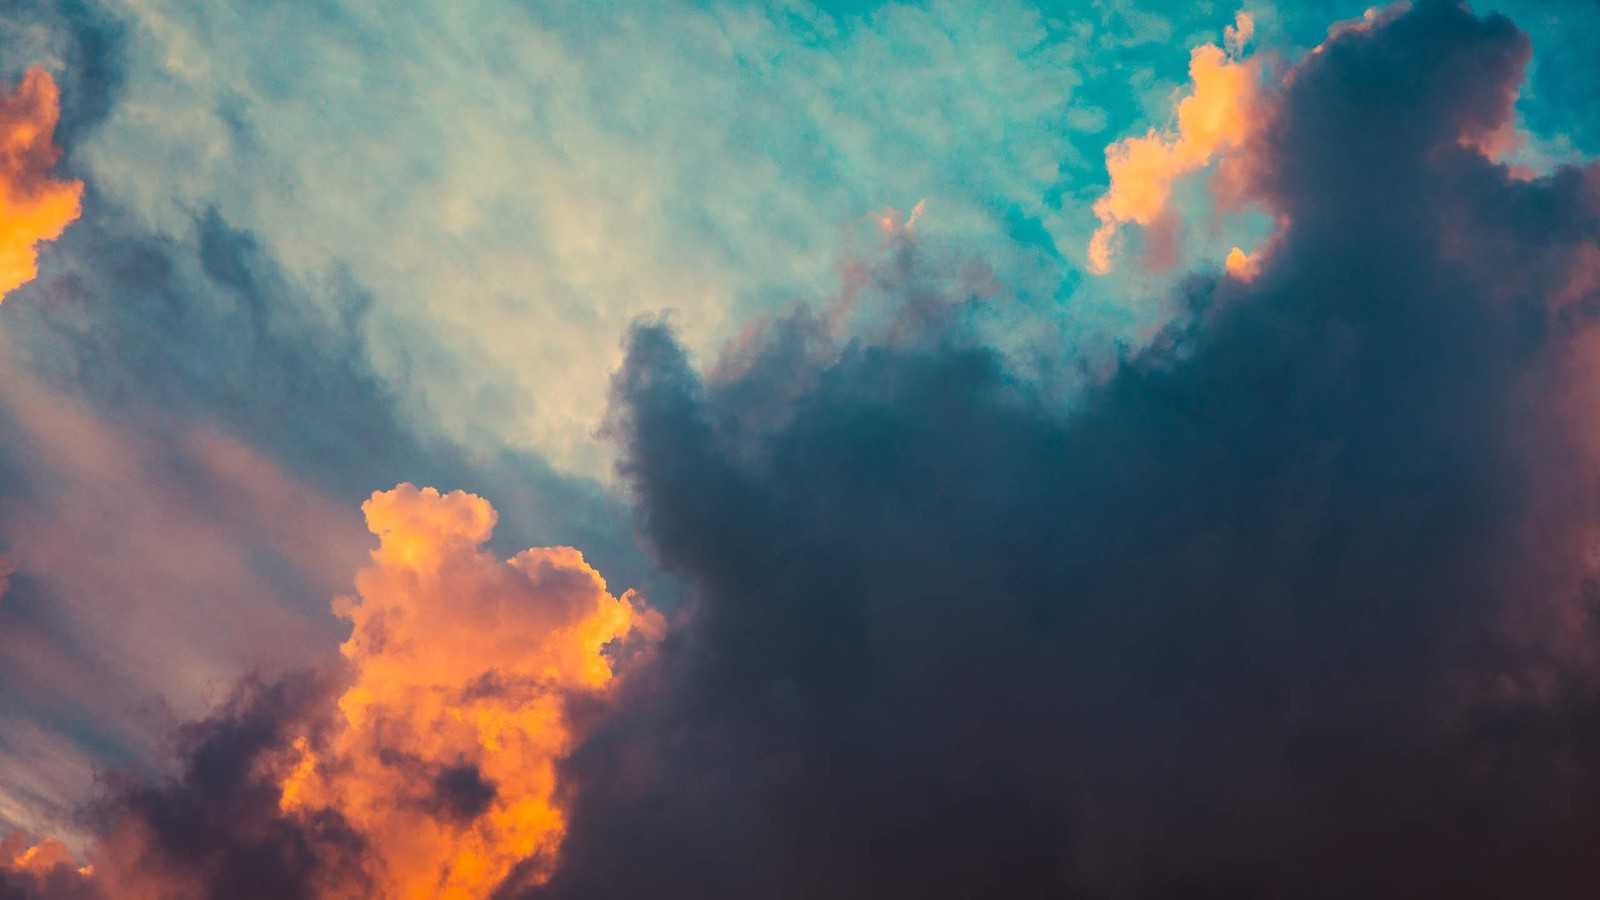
446,809
34,205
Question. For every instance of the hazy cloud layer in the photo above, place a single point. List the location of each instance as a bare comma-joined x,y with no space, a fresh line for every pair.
513,184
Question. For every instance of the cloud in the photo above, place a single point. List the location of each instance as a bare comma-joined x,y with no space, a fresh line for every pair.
215,829
1215,118
1299,599
1241,265
34,205
1300,594
216,336
443,755
18,857
42,871
151,568
423,765
184,441
556,193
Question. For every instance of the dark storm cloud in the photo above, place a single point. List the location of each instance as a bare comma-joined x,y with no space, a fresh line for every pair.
461,793
158,342
1298,603
147,346
61,883
216,829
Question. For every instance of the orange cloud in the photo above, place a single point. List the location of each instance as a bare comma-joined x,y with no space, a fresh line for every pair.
45,870
1216,117
889,221
34,206
1241,265
17,856
444,750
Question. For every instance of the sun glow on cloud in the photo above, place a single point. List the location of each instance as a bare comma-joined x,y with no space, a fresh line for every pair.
889,220
1241,265
34,206
438,752
38,859
443,754
1216,117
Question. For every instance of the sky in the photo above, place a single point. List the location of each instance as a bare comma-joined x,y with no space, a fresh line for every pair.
799,449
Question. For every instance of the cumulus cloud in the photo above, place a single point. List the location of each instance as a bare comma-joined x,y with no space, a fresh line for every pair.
423,765
34,205
184,442
1300,599
19,856
214,828
443,755
1241,265
1213,119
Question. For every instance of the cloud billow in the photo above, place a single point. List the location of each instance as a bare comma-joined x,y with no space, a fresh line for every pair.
1299,601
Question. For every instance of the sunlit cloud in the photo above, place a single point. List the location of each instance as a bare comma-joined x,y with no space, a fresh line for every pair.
17,855
443,755
46,870
1241,265
431,771
926,600
1214,118
34,205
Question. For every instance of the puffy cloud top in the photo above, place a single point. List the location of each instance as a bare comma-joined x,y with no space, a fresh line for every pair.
34,205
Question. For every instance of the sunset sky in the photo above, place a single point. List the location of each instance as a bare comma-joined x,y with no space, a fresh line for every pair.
840,449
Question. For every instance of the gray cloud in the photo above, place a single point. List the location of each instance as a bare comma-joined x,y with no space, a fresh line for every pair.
1300,601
